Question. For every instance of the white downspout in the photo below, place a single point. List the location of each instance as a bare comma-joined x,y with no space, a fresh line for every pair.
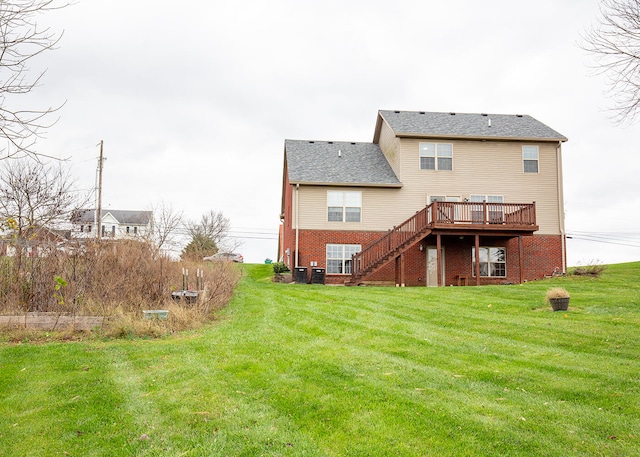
297,221
561,207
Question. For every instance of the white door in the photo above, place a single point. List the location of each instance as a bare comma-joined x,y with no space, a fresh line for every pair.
432,266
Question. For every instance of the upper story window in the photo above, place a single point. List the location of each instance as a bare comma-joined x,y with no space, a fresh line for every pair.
530,159
436,156
344,206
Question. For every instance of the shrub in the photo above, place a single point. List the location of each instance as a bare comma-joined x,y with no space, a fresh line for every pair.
593,268
280,267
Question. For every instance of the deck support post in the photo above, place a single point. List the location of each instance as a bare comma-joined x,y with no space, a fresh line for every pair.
400,271
477,265
439,258
521,258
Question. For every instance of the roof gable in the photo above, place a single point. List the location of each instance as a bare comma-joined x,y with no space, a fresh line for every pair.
87,216
334,162
467,125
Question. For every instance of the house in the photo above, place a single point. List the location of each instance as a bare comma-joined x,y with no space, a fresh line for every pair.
115,224
33,242
436,199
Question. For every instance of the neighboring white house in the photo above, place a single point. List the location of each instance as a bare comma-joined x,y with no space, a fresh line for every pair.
114,224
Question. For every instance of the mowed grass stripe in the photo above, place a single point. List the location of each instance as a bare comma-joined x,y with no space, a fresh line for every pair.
313,371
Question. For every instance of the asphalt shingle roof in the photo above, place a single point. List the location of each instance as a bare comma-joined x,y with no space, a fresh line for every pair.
122,216
515,126
335,162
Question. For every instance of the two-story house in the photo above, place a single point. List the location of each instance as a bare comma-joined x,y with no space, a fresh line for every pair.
435,199
114,224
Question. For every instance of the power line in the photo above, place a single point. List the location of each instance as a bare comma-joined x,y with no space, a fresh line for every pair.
253,237
600,240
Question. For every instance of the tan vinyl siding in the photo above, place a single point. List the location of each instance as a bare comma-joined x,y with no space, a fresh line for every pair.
381,209
389,145
488,168
479,167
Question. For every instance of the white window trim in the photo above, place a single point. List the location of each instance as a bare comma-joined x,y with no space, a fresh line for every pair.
537,159
488,275
493,214
344,206
447,198
435,148
485,198
343,260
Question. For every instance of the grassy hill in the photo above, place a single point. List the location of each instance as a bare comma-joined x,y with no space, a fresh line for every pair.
306,370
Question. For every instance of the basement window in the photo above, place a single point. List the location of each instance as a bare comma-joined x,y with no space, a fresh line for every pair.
339,258
493,262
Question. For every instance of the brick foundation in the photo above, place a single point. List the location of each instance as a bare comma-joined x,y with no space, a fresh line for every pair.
542,254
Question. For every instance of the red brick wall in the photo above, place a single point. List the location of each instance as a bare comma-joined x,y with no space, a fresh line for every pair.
312,246
288,234
542,253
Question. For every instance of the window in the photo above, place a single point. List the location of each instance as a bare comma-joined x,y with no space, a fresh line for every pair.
494,214
493,262
446,213
344,206
530,159
128,228
443,198
135,230
436,156
339,258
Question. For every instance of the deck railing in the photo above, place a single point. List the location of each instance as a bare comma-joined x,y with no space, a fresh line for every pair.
391,241
478,215
510,214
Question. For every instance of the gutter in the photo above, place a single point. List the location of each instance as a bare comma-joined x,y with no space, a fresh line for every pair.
476,137
349,184
297,222
561,207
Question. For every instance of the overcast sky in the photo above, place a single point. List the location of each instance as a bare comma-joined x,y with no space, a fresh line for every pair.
194,99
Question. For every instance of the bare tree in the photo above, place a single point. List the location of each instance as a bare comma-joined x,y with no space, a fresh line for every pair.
615,43
34,196
206,235
165,228
21,40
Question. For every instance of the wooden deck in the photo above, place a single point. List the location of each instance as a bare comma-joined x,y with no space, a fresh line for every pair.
454,218
482,216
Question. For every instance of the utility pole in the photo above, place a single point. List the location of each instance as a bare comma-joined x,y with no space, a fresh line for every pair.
99,210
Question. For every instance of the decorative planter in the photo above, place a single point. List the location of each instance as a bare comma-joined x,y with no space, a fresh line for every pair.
559,304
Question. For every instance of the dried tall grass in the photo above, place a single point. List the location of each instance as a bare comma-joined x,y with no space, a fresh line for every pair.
117,280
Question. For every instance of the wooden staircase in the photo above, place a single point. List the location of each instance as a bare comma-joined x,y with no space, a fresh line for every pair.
391,245
462,218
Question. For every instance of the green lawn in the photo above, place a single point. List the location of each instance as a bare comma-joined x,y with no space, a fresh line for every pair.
302,370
